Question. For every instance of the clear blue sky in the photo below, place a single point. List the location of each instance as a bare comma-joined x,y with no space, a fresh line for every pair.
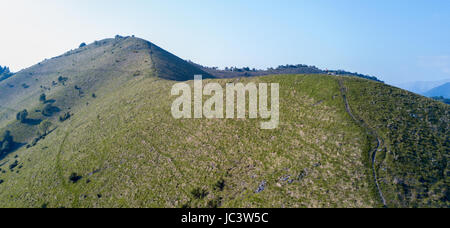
398,41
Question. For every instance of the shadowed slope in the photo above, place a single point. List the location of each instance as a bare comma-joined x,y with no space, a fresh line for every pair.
170,67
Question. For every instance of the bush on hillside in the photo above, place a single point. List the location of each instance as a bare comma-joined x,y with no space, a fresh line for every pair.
220,185
44,127
65,116
62,79
74,178
22,116
42,98
49,110
6,143
199,193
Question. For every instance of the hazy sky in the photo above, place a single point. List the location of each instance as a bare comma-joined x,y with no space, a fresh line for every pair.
398,41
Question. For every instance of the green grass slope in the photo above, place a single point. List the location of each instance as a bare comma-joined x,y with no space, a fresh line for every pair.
132,153
412,162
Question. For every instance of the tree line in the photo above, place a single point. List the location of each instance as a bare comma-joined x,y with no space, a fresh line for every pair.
5,73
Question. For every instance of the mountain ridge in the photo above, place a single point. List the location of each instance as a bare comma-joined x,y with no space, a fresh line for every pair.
440,91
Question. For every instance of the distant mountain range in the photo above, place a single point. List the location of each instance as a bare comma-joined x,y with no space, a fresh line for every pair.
440,91
422,87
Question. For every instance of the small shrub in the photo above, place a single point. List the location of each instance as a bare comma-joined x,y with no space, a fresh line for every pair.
65,117
22,116
13,165
62,79
74,178
49,110
42,98
44,127
199,193
220,185
186,206
215,203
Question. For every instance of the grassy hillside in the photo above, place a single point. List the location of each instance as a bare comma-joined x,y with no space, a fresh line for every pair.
121,146
412,162
131,153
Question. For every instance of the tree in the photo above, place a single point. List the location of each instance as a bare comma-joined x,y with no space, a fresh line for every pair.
64,117
6,137
5,73
22,116
62,79
42,98
5,147
44,127
49,110
74,178
6,142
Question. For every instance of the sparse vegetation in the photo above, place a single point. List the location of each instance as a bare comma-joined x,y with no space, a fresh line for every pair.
220,185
